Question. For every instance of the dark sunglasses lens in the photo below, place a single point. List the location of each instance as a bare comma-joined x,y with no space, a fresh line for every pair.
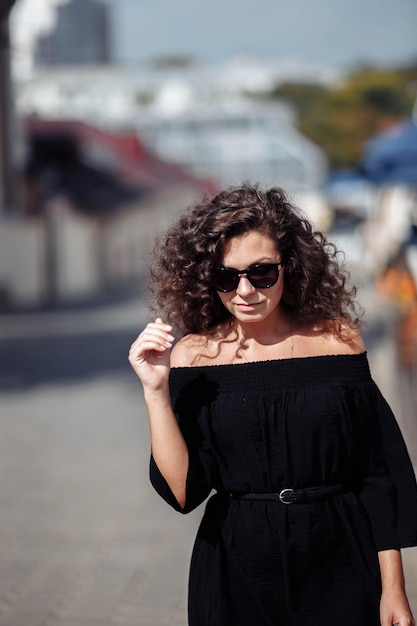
263,276
225,280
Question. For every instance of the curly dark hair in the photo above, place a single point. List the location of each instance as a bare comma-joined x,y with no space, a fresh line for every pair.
316,284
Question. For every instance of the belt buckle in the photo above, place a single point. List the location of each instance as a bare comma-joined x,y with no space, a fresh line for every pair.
284,494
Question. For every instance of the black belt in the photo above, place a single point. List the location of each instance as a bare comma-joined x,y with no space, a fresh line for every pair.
294,496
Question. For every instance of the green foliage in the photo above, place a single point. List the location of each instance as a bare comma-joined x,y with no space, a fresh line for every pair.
342,117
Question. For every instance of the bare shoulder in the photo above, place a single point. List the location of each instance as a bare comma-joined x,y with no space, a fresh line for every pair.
187,350
316,341
349,341
211,348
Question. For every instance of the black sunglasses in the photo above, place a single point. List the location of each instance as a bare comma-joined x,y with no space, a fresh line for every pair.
260,276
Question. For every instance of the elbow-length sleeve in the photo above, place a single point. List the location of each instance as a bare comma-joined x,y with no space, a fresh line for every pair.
388,486
191,402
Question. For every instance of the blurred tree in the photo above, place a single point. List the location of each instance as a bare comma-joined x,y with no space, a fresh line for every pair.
303,96
341,118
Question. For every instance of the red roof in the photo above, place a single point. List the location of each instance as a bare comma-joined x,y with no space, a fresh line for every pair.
122,153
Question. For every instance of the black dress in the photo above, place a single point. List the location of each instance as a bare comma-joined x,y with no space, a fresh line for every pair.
294,423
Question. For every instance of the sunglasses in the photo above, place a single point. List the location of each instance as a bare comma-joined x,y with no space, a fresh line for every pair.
260,276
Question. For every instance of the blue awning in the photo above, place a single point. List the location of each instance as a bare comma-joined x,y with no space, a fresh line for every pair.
391,156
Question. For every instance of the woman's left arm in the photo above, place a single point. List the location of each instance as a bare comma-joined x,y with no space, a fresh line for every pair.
394,608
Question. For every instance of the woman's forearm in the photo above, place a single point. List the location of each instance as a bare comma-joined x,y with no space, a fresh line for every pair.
392,574
168,446
150,357
395,608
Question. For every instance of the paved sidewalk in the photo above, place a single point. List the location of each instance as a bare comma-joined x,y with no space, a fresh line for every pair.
85,541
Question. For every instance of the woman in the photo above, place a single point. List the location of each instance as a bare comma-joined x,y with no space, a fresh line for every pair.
267,399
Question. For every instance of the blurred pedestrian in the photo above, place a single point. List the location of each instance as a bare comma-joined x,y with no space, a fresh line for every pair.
267,399
404,297
398,286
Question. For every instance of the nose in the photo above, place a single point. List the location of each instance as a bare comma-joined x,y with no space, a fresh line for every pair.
244,286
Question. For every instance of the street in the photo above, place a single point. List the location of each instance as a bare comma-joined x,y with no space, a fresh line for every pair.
85,541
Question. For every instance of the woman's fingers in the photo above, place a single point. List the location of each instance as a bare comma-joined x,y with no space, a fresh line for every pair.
156,336
149,354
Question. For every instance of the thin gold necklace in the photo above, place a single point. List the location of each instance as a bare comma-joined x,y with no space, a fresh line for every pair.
292,343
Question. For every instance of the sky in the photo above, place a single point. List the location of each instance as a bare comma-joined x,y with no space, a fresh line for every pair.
337,33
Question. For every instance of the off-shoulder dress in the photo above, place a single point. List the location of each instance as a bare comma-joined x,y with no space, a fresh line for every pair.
259,428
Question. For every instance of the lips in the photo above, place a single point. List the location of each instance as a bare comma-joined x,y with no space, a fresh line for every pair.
247,305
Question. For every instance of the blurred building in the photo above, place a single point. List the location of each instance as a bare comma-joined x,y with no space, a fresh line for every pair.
236,142
79,93
196,118
94,201
81,36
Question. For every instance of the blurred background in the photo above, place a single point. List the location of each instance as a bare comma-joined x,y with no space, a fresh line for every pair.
114,116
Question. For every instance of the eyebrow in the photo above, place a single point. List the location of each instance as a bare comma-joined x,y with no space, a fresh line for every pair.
261,261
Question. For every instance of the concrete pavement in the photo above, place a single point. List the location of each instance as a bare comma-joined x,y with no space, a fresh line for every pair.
84,539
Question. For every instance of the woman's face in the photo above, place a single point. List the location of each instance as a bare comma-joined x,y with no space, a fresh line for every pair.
247,303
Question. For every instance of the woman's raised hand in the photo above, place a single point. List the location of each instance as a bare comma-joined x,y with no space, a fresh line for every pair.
149,355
